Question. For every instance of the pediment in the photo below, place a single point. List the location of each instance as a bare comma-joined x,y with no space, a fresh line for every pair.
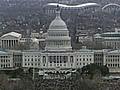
9,37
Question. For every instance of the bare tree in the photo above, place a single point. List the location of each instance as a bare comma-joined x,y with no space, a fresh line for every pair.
4,83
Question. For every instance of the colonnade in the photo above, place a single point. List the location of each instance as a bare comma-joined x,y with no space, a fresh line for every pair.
9,44
58,59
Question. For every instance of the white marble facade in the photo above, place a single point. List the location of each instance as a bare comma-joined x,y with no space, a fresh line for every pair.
10,40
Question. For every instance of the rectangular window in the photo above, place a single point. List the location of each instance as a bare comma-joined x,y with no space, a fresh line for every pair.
50,59
57,59
71,59
80,59
83,59
90,59
32,59
43,64
61,59
44,59
87,59
65,59
77,59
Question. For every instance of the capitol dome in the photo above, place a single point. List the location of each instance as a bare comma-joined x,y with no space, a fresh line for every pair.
58,38
58,23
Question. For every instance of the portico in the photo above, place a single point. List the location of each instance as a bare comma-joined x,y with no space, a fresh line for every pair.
10,40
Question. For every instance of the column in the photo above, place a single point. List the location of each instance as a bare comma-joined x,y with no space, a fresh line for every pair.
63,43
68,63
46,60
56,59
7,44
59,59
2,44
16,43
13,43
10,44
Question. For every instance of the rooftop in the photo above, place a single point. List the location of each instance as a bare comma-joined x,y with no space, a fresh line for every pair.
114,51
3,52
12,34
85,50
73,6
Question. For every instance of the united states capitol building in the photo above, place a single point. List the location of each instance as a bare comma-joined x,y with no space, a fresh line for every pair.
58,55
